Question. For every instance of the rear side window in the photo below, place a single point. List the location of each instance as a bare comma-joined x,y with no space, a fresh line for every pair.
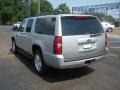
80,26
29,25
45,26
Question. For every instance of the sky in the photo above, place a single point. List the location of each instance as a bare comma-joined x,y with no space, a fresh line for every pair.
74,3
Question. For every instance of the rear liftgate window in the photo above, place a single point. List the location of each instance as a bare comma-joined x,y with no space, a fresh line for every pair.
80,25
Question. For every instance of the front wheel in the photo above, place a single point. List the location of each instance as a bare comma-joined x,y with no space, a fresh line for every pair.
14,48
110,30
39,63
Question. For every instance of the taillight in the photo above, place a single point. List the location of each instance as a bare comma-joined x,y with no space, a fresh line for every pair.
106,40
57,48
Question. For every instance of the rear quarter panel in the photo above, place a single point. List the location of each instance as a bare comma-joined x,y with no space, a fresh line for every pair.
45,42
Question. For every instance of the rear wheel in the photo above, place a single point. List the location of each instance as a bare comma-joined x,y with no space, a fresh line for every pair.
39,63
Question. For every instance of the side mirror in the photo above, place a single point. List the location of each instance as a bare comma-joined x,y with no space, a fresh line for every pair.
15,29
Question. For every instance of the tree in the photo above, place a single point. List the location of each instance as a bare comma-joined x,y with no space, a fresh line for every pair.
19,17
45,7
103,17
5,3
11,10
6,14
62,9
14,10
34,8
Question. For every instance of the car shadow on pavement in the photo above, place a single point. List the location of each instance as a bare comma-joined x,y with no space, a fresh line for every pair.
67,74
55,75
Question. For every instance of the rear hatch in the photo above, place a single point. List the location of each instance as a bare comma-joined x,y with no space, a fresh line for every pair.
83,37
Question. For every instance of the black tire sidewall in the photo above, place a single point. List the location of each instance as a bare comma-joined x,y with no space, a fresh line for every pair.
15,51
110,30
44,67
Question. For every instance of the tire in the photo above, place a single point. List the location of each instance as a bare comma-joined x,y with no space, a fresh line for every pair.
39,64
110,30
14,47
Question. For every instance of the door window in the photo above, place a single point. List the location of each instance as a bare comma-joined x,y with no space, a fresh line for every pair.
45,26
29,25
22,26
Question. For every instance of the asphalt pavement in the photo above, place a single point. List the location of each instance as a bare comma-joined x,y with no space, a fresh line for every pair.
17,71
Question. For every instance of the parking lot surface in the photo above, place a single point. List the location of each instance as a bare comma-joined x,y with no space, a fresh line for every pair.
17,71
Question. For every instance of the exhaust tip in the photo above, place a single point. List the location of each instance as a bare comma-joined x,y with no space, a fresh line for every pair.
90,61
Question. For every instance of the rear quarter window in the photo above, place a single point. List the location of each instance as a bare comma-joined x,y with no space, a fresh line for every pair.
80,26
22,26
45,26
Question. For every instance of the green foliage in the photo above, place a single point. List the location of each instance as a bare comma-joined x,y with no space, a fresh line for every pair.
0,15
110,18
19,17
34,8
14,10
103,17
45,7
5,3
6,14
11,11
62,9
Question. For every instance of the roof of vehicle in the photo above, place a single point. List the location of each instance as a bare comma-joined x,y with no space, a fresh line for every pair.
62,15
69,15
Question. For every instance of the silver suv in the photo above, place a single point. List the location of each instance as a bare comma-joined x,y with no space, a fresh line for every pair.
61,41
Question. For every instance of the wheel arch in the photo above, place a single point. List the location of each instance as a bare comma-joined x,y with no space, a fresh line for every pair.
36,47
12,38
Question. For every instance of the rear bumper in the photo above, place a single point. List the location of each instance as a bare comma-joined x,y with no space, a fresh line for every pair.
81,63
57,61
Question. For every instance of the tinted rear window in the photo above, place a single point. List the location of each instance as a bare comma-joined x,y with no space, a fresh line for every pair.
45,26
79,26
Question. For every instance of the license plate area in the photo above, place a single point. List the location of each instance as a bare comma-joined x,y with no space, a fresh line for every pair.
87,46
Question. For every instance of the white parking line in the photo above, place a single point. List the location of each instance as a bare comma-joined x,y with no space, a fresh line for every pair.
115,47
115,41
113,36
